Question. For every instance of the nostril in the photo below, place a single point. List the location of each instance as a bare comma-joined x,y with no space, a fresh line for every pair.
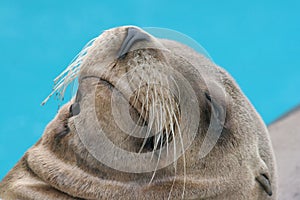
133,35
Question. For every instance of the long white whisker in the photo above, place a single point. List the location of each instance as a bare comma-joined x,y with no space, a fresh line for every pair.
142,107
172,114
67,76
174,140
164,109
159,123
149,120
171,77
160,137
138,94
183,151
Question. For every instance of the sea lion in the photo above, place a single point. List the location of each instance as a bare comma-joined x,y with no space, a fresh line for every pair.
151,119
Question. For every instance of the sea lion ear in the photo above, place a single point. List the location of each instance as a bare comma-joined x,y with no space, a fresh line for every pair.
75,107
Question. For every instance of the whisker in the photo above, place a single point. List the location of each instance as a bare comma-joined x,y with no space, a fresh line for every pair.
150,121
175,82
183,152
139,88
174,142
141,112
172,114
164,109
159,123
159,155
67,76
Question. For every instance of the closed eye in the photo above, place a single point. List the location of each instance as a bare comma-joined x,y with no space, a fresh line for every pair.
208,97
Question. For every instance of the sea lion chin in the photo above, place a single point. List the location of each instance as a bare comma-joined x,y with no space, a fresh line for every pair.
151,119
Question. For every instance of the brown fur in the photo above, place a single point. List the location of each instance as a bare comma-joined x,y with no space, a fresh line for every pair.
59,166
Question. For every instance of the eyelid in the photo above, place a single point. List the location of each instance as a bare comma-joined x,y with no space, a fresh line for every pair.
208,97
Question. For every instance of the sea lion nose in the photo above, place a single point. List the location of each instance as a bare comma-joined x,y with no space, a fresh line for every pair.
133,35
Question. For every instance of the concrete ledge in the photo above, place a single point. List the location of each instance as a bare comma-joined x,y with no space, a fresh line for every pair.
285,136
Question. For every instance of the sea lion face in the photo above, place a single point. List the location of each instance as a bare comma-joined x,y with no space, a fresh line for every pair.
166,121
152,119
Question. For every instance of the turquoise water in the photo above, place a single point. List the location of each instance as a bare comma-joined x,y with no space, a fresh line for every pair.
257,42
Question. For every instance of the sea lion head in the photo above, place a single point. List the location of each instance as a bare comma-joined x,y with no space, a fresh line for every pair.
163,121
